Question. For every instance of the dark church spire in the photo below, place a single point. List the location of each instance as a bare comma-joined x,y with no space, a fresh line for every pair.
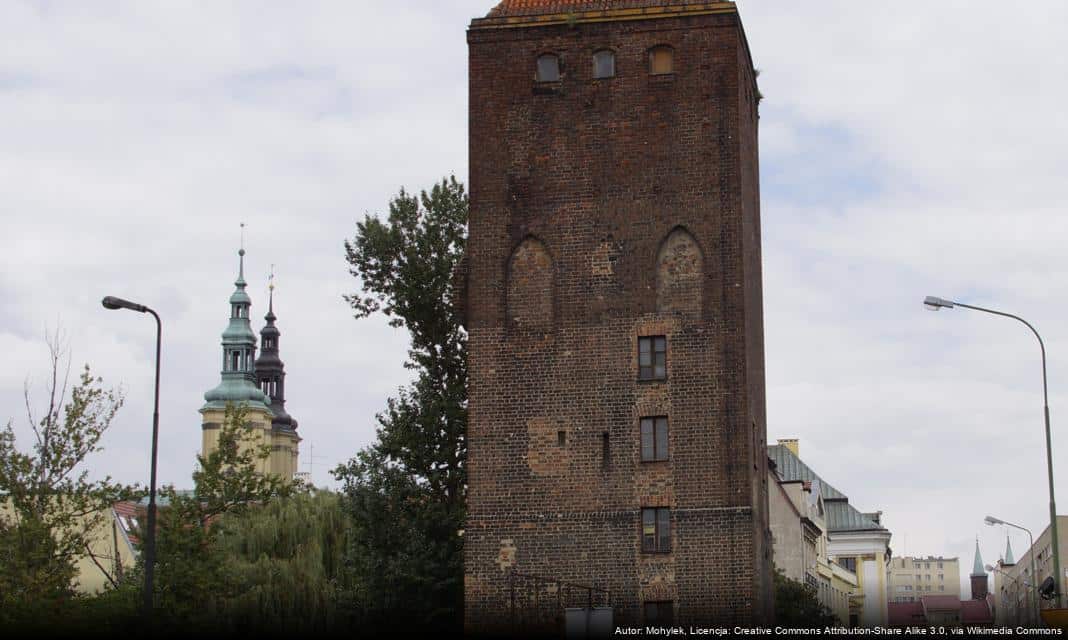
270,371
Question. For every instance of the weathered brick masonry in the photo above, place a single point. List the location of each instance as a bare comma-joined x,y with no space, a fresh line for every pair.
603,210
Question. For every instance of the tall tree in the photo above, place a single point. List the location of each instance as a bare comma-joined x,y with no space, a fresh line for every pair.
51,506
405,493
193,580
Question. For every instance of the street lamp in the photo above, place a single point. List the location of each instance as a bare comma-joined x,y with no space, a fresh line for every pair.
934,303
991,521
111,302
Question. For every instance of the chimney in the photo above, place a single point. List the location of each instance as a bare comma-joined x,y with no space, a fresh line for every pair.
791,444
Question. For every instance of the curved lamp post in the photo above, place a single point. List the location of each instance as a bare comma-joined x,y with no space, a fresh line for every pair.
111,302
991,520
934,303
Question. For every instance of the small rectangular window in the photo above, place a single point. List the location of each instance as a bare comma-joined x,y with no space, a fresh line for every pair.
604,64
606,452
548,68
652,358
656,530
661,60
561,438
654,435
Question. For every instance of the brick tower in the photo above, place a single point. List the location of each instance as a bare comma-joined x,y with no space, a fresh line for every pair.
612,296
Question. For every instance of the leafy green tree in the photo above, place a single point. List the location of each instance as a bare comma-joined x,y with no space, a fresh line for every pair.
405,493
796,605
193,581
50,506
283,561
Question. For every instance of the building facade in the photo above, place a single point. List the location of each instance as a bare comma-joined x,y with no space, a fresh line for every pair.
611,292
242,387
857,541
1015,582
799,538
911,578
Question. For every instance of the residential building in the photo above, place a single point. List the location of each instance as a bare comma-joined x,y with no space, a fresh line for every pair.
799,540
611,291
1014,597
914,577
857,541
112,545
1014,583
261,395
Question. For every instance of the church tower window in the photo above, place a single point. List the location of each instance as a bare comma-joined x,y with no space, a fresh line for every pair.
548,68
604,64
661,60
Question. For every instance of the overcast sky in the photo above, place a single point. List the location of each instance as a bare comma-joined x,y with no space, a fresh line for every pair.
905,150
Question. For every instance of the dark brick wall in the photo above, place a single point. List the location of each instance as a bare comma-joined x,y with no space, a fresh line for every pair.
603,210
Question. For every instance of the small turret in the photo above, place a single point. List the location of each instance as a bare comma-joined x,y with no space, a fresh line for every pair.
270,370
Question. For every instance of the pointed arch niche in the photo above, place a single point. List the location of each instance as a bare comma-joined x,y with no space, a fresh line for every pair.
530,286
679,275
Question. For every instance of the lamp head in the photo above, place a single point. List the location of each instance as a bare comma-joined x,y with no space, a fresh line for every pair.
934,303
991,521
989,567
111,302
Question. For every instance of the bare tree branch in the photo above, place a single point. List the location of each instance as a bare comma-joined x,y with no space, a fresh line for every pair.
92,556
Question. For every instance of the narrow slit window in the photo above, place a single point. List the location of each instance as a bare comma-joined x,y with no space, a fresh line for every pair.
234,360
661,60
604,64
652,358
561,438
654,435
606,452
548,68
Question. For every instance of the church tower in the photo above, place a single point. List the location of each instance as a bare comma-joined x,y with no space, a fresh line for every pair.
611,291
271,378
238,385
980,585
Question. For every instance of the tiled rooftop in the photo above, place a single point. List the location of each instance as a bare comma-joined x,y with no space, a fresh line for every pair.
508,8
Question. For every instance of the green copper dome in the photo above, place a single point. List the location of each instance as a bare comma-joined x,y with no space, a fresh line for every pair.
238,384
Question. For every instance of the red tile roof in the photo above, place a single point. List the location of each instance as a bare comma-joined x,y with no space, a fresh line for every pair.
542,7
941,603
905,614
129,513
973,612
976,611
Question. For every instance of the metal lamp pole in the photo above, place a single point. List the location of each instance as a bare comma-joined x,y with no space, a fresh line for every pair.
991,520
935,303
111,302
